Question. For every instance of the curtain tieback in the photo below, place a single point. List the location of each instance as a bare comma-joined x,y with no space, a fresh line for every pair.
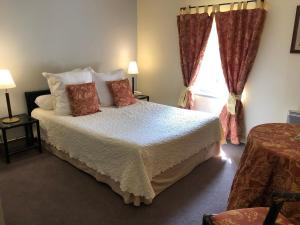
232,99
183,99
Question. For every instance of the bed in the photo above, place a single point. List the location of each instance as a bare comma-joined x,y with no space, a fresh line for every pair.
138,150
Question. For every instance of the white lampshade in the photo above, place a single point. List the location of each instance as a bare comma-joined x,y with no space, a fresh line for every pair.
6,80
133,68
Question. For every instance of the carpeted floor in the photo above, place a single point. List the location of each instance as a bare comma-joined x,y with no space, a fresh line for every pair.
40,189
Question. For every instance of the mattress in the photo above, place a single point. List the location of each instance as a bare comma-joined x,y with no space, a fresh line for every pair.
131,145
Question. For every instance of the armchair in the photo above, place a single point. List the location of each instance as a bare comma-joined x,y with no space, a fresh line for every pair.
255,216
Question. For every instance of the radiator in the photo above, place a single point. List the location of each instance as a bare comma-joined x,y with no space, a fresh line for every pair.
293,117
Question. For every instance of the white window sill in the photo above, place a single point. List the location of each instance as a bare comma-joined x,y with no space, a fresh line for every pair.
207,94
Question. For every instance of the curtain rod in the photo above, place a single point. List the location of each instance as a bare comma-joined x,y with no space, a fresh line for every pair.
221,4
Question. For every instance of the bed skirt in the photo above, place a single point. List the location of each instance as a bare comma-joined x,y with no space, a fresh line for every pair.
159,182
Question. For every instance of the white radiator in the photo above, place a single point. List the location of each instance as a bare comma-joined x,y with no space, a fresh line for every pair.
293,117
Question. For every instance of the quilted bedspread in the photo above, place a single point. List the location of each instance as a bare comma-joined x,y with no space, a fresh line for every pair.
132,144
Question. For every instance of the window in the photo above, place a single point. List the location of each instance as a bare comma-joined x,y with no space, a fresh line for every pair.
210,80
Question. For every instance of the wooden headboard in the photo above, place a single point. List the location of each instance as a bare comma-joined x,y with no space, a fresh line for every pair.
30,98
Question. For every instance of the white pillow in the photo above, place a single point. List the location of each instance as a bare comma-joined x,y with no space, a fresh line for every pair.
102,89
45,74
45,102
57,84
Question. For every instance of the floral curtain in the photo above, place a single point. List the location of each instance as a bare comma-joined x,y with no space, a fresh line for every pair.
239,33
194,30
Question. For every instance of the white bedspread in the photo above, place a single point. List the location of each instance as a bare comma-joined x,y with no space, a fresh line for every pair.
132,144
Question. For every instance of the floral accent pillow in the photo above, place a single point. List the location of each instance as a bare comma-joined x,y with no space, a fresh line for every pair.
121,92
83,99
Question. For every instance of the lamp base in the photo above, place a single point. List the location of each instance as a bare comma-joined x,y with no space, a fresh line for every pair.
11,120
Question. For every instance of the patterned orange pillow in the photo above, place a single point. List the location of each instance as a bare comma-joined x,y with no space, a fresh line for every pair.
83,99
121,92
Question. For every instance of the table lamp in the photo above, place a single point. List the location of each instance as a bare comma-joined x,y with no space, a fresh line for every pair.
7,82
133,70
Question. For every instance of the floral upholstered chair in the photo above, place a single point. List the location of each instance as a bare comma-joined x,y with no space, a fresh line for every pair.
255,216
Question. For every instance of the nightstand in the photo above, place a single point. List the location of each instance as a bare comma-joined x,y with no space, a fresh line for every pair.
27,122
142,97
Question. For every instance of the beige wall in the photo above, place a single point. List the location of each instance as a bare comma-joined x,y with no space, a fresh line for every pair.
58,35
273,87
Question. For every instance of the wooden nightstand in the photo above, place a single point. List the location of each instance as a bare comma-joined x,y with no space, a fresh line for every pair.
142,97
27,122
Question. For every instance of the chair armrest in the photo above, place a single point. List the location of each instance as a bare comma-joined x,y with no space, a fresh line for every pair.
278,200
286,197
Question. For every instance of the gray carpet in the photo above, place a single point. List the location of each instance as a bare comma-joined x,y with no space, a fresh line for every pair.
40,189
